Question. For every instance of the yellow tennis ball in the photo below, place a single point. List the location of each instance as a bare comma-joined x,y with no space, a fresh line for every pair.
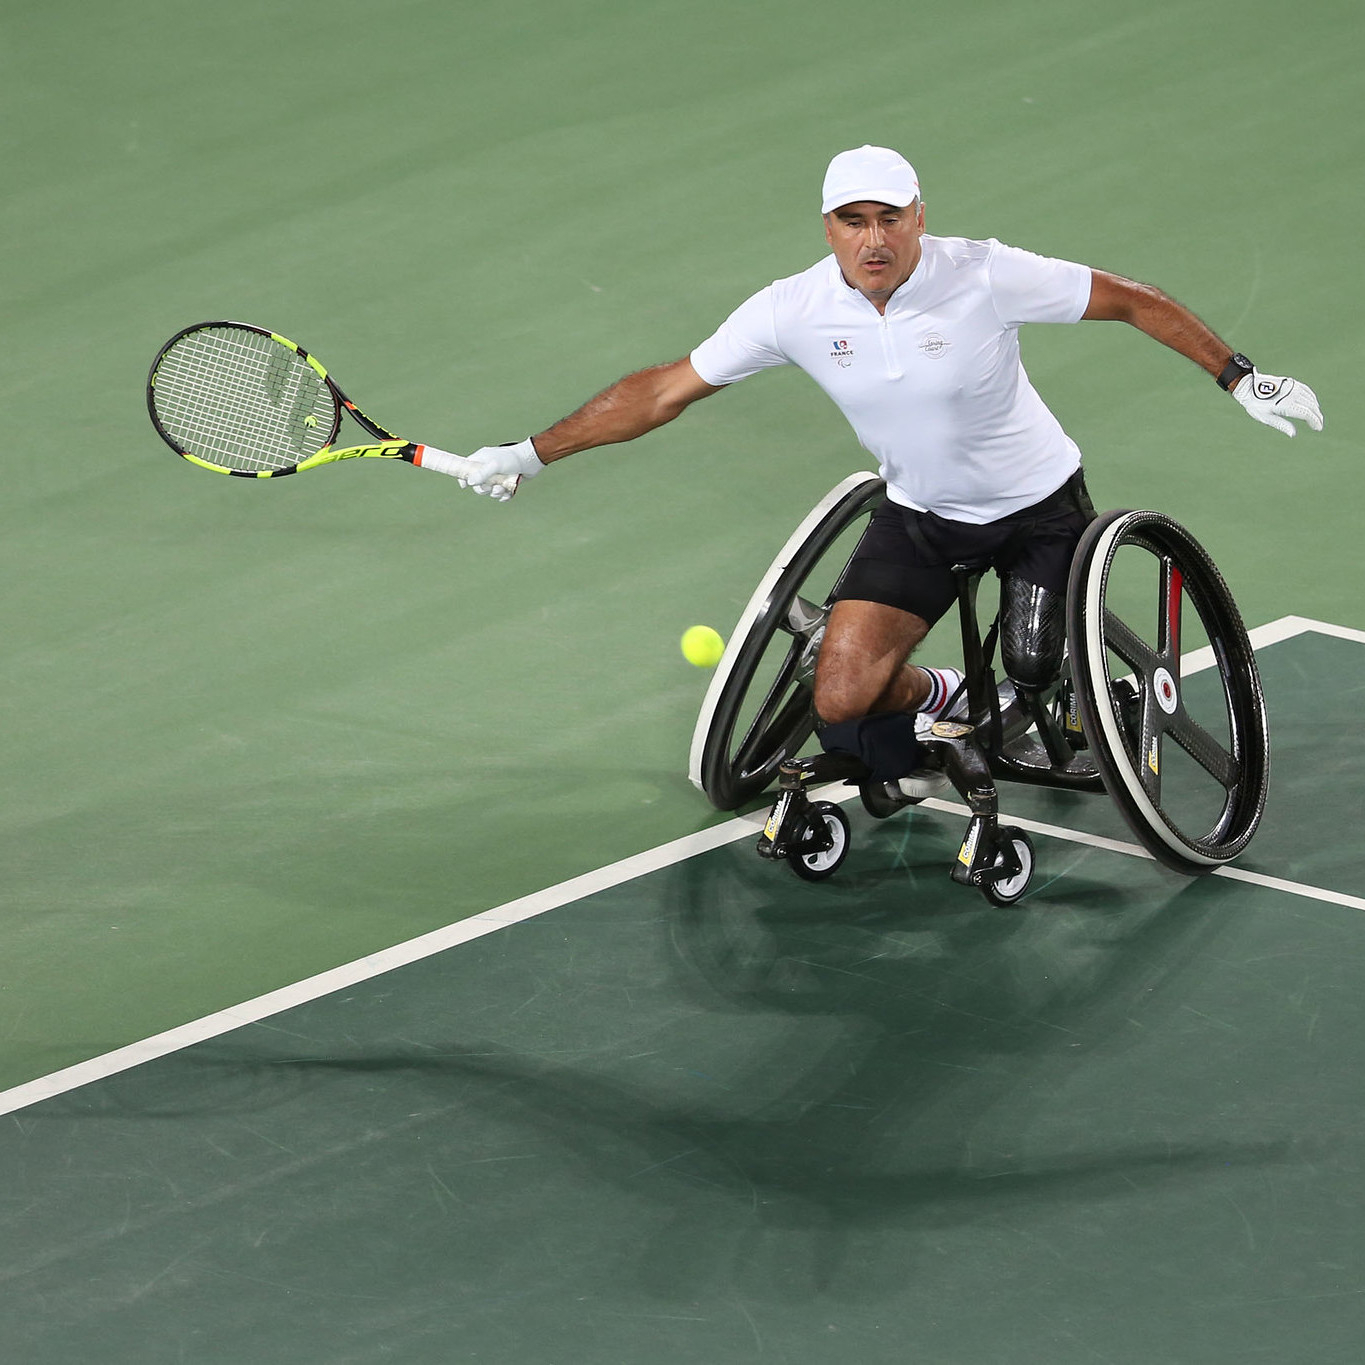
702,646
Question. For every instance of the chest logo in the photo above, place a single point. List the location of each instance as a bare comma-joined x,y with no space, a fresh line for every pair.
842,354
934,346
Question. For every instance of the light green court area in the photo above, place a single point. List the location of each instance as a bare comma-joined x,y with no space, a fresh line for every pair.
252,731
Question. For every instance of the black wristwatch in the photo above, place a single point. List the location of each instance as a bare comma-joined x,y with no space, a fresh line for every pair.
1238,366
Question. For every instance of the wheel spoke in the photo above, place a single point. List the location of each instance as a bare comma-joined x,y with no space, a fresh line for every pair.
1204,749
767,746
1148,757
803,618
805,622
1168,617
786,706
1129,646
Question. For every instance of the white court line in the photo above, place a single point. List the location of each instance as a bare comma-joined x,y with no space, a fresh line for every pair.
1236,874
1288,626
539,902
362,969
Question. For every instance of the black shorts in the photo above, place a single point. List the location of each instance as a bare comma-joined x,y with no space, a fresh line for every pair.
905,558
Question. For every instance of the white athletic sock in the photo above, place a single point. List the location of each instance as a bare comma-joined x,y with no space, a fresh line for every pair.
943,683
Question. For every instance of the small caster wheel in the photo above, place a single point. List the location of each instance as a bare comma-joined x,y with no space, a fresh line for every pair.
1005,887
823,843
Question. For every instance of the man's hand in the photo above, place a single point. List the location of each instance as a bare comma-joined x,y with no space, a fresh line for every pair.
494,471
496,477
1274,399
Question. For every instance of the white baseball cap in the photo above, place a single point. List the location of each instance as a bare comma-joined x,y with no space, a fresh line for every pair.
875,173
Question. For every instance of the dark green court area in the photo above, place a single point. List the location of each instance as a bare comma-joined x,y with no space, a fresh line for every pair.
718,1114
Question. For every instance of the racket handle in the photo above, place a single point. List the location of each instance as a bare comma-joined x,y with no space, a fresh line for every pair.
442,461
457,466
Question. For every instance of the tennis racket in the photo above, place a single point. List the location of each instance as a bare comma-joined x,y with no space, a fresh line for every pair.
241,400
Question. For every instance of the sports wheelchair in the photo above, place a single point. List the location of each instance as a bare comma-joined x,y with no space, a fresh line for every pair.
1181,747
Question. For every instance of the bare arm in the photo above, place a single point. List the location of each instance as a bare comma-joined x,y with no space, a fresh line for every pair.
629,408
1276,400
1115,299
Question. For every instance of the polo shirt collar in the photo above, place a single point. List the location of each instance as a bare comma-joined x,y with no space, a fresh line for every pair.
900,301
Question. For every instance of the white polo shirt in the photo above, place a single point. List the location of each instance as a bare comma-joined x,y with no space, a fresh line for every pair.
934,388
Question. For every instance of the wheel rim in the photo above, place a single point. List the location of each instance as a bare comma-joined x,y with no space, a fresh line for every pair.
827,860
1184,752
1011,888
758,709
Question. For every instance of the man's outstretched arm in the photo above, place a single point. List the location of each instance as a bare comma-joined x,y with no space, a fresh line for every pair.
1272,399
628,408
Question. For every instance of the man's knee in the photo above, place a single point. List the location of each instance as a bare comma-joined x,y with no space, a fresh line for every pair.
846,690
861,668
841,699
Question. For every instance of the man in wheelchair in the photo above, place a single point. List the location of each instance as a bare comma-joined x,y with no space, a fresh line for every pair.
916,339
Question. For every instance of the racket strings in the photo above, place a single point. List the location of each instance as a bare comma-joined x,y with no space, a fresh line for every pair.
240,399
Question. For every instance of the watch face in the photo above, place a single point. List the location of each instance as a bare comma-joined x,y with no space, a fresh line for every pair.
1242,363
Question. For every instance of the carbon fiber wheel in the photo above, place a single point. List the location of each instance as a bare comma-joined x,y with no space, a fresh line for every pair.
1170,698
759,708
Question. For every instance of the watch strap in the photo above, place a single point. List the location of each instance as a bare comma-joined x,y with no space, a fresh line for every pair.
1235,369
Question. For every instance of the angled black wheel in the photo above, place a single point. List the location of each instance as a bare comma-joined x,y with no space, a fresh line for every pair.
758,709
1170,699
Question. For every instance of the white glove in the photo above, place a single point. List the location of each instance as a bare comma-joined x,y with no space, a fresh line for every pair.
494,471
1272,399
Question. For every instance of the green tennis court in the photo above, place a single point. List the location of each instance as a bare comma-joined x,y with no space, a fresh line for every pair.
255,733
710,1112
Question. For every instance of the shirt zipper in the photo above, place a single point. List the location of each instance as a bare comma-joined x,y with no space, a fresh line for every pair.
893,368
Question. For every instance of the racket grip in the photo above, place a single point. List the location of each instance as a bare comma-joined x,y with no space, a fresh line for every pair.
442,461
457,466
